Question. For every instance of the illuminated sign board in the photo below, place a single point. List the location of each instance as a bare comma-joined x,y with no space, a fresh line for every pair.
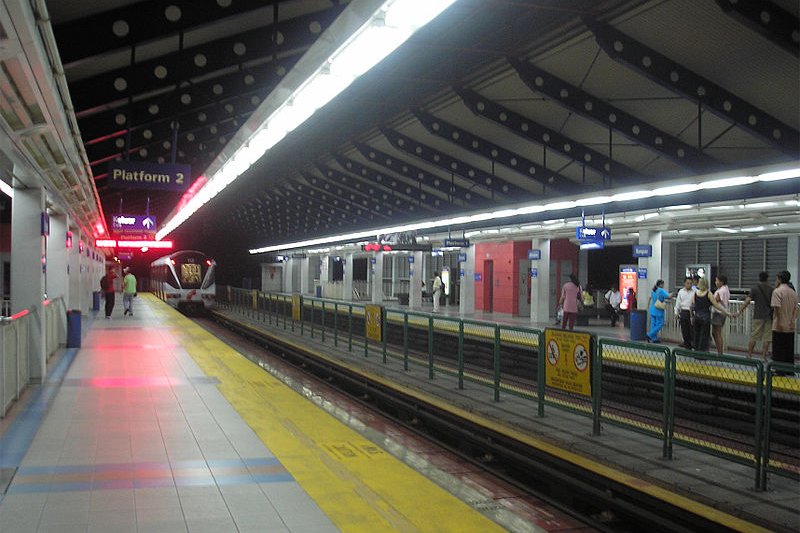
152,176
584,233
456,243
113,243
133,223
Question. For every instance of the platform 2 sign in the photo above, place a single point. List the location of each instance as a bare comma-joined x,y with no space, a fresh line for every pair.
568,360
373,322
152,176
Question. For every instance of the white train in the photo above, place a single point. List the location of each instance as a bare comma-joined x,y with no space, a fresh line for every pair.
185,280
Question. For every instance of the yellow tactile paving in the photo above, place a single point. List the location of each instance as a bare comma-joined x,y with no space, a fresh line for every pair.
357,484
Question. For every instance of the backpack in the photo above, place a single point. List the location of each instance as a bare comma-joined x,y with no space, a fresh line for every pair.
104,283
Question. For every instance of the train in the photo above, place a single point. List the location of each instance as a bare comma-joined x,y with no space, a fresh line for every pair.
185,280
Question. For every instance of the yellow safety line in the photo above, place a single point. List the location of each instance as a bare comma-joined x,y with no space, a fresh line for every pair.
666,495
358,485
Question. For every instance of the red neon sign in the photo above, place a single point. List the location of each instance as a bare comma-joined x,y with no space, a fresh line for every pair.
112,243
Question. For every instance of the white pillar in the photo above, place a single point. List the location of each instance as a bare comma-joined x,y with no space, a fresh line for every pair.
792,260
376,271
306,280
667,272
652,264
28,264
466,273
57,259
540,285
396,273
347,280
415,278
325,274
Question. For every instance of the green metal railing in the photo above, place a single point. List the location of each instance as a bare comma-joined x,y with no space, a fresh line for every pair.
728,406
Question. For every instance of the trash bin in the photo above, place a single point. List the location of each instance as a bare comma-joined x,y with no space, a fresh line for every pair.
73,328
96,300
638,325
318,291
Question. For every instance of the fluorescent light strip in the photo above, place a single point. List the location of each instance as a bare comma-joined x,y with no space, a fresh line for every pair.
383,32
6,188
524,210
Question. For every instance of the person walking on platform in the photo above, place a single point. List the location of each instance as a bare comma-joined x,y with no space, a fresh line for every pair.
128,291
683,311
657,305
784,317
437,291
761,326
107,286
701,308
570,294
723,296
613,301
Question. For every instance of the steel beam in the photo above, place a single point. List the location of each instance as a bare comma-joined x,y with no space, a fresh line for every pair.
500,189
547,178
412,172
773,22
548,137
669,74
313,197
589,106
344,186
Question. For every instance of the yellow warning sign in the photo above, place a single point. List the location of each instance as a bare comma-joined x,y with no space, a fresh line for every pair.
568,360
373,320
297,305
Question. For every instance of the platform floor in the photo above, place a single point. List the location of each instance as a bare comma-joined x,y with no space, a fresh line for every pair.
155,425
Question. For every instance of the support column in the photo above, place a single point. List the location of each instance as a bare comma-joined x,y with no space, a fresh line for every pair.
325,274
347,279
466,273
396,273
376,271
652,264
306,280
28,266
415,278
57,274
792,260
286,277
76,297
540,285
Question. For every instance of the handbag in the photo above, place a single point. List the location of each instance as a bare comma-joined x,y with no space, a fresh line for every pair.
660,305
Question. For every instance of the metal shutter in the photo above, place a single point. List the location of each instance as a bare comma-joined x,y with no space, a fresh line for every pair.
685,254
777,256
752,261
707,253
729,262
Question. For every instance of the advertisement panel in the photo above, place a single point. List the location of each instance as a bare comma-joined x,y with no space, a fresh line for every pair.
628,275
373,320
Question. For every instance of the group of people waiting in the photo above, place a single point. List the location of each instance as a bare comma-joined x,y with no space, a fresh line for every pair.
699,310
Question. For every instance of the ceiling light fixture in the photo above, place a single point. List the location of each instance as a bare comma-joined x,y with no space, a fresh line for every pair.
524,210
382,32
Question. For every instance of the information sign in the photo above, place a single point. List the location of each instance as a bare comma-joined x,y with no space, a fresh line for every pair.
297,305
568,360
410,258
534,272
642,250
478,276
462,258
153,176
534,255
133,223
456,243
585,233
641,273
373,320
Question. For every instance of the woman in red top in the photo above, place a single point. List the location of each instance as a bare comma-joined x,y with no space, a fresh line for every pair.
570,293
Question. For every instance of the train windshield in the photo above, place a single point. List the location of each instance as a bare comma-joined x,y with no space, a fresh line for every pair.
191,269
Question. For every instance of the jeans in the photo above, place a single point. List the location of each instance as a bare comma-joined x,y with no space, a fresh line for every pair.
127,302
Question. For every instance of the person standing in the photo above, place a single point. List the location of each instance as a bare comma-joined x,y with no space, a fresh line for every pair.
128,291
784,317
761,326
657,305
723,296
613,300
570,294
683,311
437,291
703,302
107,286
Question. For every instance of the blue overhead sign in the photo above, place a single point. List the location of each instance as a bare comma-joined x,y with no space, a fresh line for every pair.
642,250
456,243
133,223
534,255
153,176
585,233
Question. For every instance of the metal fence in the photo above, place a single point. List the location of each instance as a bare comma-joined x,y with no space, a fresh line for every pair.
729,406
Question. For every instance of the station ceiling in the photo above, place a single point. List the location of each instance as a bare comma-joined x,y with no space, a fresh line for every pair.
493,103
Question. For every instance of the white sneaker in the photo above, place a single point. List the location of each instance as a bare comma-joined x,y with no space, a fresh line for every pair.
108,318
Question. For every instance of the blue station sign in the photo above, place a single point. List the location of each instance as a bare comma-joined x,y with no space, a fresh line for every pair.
153,176
456,243
133,223
534,255
641,273
642,250
462,258
586,233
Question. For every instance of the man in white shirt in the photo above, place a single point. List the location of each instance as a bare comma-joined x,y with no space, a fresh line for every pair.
614,299
437,291
683,311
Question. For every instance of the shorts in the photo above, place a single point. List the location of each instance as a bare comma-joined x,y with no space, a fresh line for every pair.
761,330
718,319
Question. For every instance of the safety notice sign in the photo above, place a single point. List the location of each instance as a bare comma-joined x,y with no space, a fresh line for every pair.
568,360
